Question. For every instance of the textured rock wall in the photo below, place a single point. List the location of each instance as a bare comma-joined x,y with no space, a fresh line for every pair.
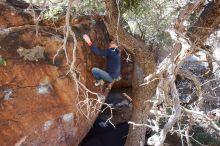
37,98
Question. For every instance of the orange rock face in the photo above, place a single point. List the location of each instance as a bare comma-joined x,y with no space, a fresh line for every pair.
38,98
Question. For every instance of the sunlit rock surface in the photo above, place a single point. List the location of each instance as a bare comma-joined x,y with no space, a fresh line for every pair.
37,97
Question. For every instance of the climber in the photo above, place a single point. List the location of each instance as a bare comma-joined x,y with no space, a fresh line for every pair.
113,65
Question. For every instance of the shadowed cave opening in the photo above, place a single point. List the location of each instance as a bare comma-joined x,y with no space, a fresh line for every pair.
105,134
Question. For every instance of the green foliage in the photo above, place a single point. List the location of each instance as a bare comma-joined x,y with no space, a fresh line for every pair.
89,7
42,1
126,5
2,61
151,19
83,7
54,12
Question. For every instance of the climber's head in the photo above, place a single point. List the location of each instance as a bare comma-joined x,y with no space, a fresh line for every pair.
112,43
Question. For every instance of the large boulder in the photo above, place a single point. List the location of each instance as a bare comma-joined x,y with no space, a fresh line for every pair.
38,97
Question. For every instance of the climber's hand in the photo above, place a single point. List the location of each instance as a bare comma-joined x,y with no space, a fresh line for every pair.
87,39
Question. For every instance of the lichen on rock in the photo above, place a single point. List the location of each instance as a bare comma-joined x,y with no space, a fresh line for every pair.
8,93
33,54
67,117
44,88
47,125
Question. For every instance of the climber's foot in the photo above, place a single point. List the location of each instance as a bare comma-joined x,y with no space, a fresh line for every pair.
99,83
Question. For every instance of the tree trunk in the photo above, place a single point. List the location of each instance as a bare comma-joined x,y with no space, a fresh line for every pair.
141,108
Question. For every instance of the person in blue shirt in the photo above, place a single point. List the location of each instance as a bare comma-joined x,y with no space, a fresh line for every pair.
113,64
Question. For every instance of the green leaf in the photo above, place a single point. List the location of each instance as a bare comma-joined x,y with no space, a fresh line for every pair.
2,61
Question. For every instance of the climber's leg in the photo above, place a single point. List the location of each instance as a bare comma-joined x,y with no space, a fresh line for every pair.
100,74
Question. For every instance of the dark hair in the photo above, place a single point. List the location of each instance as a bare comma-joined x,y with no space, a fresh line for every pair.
112,40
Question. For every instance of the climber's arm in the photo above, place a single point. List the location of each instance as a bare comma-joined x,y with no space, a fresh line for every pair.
97,51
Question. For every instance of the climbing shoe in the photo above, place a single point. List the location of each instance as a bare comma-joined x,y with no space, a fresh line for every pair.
118,78
99,83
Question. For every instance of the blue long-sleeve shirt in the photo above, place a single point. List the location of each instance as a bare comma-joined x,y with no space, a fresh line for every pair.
113,64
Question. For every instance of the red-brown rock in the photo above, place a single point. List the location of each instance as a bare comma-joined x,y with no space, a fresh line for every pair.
38,101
